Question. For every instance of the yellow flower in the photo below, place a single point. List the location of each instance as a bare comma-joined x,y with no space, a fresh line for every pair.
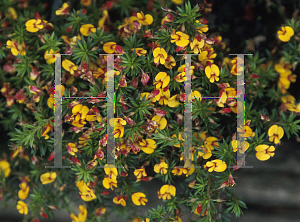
206,152
130,26
103,19
83,187
212,72
140,173
118,126
119,131
203,28
50,58
295,108
139,198
160,56
283,67
275,133
111,171
117,122
81,216
177,2
87,29
181,39
86,2
215,165
170,62
48,177
189,170
162,79
12,13
207,55
109,183
197,46
71,147
64,10
179,138
16,48
181,76
23,192
34,25
51,100
119,200
79,112
166,191
237,66
161,122
109,47
5,167
163,97
69,66
86,193
144,19
289,101
100,211
22,207
237,145
202,135
177,171
247,131
174,101
211,142
285,33
139,51
264,152
161,168
147,146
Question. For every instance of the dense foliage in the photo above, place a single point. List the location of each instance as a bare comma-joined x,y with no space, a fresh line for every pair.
149,108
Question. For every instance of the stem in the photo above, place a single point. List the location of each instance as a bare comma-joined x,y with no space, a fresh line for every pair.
208,195
6,28
220,207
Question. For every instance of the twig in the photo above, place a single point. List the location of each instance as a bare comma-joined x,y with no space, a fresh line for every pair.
6,28
220,207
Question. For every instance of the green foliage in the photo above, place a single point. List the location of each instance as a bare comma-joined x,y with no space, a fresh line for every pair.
84,50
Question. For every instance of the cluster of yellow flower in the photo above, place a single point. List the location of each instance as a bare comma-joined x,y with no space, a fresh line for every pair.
86,193
22,194
81,216
24,190
16,48
286,76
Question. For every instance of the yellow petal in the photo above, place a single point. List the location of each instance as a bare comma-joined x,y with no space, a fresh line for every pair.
262,156
289,31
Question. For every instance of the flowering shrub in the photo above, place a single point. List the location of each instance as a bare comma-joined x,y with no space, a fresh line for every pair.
149,77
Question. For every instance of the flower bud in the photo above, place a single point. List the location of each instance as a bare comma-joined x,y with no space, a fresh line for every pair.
145,79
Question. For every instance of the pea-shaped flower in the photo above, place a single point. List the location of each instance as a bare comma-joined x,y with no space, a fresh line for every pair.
212,72
166,191
215,165
285,33
139,198
275,133
264,152
22,207
48,177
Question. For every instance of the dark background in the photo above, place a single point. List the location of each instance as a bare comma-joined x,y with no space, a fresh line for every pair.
271,188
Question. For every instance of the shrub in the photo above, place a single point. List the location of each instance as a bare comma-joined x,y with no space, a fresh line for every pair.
149,83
